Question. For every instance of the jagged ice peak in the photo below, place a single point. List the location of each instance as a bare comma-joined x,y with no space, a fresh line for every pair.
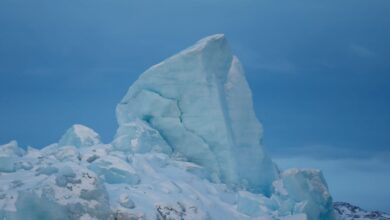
200,103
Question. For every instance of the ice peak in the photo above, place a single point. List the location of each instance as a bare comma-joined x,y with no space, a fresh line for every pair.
216,39
80,136
211,45
83,131
11,148
200,103
212,53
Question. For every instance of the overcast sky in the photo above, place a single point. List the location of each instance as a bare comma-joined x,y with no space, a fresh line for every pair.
319,71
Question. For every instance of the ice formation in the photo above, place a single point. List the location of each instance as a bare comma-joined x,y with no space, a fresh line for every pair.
201,105
188,146
79,136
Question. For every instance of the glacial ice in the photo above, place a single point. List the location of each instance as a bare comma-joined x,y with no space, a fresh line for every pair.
179,98
10,157
188,146
304,191
138,137
11,149
79,136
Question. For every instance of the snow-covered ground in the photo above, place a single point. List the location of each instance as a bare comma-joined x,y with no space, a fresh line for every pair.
98,182
346,211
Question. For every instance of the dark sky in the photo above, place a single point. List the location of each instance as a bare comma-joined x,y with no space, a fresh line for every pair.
319,71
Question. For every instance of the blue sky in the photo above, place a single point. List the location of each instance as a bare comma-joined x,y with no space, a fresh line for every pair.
319,71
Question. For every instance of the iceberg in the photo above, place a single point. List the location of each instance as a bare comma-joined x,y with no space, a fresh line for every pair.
188,146
201,105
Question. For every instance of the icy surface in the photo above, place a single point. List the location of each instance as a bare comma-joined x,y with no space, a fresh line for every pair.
10,157
201,105
188,146
304,191
115,185
79,136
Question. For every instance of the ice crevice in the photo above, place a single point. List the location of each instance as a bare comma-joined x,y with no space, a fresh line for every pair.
149,120
214,177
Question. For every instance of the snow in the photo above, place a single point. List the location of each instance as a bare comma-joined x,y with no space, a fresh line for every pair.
188,146
346,211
